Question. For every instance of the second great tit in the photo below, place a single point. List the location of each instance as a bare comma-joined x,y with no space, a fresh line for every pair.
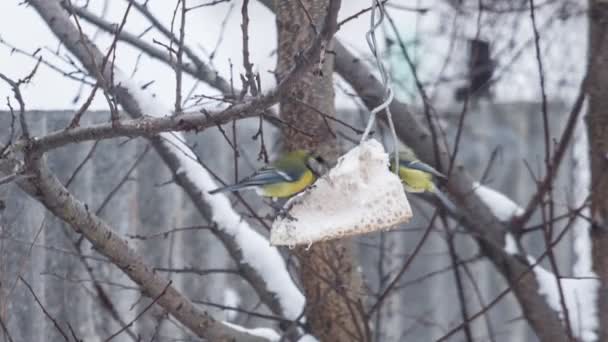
284,177
417,177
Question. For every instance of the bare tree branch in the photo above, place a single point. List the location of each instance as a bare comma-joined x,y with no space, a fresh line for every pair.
15,86
249,78
205,73
197,68
57,199
488,231
57,20
149,126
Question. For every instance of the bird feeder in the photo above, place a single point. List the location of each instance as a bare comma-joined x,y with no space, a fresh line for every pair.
359,195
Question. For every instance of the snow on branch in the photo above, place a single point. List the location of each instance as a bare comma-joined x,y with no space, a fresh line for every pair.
59,201
501,206
581,300
511,245
256,258
482,208
265,333
580,294
255,248
581,182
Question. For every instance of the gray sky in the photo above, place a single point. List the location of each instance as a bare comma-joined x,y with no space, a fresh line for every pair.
563,46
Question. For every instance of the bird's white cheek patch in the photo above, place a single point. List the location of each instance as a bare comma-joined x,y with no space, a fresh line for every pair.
359,195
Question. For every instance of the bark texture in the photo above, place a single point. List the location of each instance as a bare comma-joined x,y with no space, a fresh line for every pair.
58,200
598,142
313,96
327,270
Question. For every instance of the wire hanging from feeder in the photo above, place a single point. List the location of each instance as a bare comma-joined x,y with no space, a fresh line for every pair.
370,36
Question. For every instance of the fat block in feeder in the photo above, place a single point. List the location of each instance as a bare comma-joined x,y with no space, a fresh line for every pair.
359,195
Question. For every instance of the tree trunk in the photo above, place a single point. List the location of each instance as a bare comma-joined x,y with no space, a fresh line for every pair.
327,270
598,142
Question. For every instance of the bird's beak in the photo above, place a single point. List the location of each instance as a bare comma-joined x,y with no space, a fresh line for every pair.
317,165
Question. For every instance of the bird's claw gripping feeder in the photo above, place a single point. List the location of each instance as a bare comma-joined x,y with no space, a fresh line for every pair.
359,195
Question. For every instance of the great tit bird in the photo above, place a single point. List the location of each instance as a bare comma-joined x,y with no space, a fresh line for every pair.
282,178
417,177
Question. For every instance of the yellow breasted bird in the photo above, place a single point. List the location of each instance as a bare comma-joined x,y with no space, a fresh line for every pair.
417,177
284,177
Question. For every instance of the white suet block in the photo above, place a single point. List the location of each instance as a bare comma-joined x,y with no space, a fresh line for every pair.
359,195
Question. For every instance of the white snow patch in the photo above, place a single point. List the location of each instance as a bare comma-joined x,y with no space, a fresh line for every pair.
510,244
257,252
500,205
232,300
266,333
581,182
583,266
580,296
359,195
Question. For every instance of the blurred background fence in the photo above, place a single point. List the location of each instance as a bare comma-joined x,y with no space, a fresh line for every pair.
133,190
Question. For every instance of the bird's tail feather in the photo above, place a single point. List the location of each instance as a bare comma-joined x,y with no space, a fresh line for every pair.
233,187
224,189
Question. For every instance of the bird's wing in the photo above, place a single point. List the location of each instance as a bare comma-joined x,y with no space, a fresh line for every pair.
264,176
268,175
418,165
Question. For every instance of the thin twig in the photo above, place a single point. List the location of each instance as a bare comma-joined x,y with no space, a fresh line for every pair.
357,14
128,325
73,333
7,335
405,266
34,55
235,153
251,84
212,3
249,312
46,313
198,271
558,155
263,153
180,56
479,295
15,86
122,181
166,233
75,122
220,37
12,178
465,104
309,17
548,232
11,134
326,116
509,288
82,164
459,285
